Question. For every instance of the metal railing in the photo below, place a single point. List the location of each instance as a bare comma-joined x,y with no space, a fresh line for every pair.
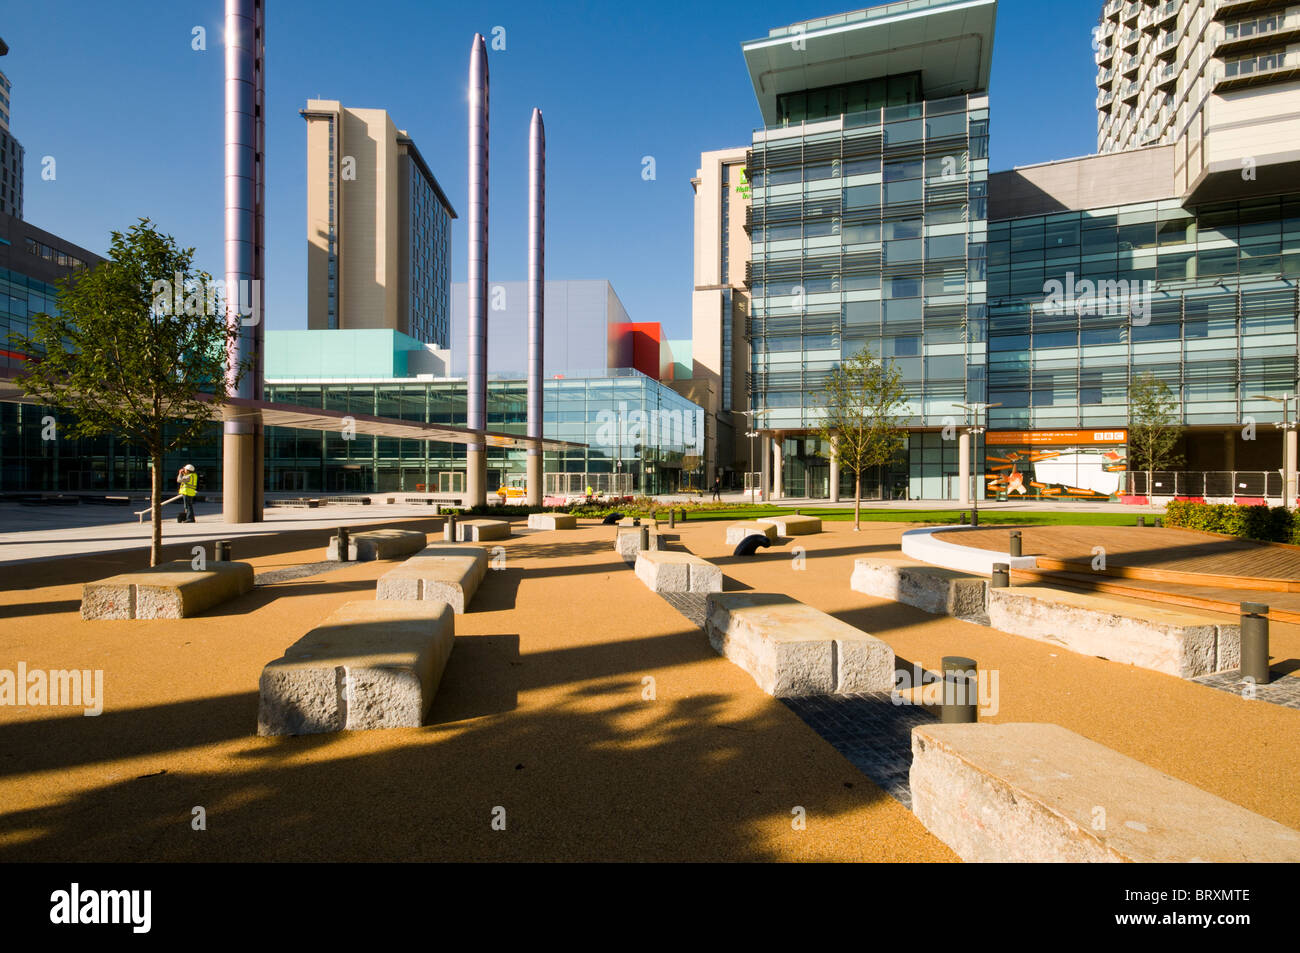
575,484
1212,484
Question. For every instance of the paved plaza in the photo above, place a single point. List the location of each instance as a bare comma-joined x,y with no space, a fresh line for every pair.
590,709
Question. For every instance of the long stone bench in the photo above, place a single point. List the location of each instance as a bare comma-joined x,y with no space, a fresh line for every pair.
552,521
1165,640
665,571
368,665
793,649
369,544
449,574
738,531
628,542
174,590
479,531
793,525
1039,793
932,588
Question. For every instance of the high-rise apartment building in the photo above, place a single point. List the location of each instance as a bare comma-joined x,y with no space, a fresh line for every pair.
868,225
378,227
11,153
1217,79
720,313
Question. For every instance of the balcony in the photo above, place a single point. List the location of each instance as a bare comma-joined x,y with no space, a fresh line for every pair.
1275,67
1241,36
1105,76
1131,38
1130,91
1131,10
1104,54
1130,66
1167,76
1105,99
1232,9
1165,11
1111,7
1167,43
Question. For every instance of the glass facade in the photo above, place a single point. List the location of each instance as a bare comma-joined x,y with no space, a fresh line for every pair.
869,229
428,245
1205,298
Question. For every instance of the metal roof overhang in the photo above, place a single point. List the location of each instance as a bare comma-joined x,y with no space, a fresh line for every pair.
949,43
318,419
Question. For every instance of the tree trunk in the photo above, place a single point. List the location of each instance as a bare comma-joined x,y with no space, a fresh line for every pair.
857,500
155,546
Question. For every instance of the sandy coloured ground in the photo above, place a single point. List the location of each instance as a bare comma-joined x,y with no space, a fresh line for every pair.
541,711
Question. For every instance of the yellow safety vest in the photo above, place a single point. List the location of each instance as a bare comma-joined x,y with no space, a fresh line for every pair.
190,486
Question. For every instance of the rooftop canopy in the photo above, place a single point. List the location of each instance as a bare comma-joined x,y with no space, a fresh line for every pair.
949,42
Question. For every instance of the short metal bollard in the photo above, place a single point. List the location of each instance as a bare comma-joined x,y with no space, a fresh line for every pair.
1142,521
683,514
974,517
672,518
960,691
1015,543
645,539
1160,523
221,551
1001,577
1254,642
342,537
964,518
449,528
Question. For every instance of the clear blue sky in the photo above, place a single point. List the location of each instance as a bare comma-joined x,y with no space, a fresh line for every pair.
132,116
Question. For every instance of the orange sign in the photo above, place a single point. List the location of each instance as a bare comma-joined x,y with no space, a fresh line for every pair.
1055,438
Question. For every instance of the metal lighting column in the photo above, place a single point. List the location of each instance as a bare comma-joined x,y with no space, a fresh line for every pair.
536,299
245,137
1288,427
476,373
975,431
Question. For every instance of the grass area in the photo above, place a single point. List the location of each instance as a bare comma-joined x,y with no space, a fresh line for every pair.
932,517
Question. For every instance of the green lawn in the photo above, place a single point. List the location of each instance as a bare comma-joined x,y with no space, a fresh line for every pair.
987,517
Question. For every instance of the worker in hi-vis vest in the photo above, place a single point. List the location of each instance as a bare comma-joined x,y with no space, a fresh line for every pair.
188,479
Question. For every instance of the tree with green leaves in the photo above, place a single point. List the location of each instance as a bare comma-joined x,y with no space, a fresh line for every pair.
138,341
1153,426
864,401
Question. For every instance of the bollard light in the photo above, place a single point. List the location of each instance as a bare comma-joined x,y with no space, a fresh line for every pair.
221,552
1015,543
1001,576
645,539
1142,521
1254,642
960,691
672,517
343,543
1159,523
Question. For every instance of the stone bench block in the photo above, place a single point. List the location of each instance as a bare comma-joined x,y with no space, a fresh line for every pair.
628,542
449,574
665,571
368,665
478,531
649,521
552,521
932,588
793,649
738,531
1030,793
172,590
793,525
370,544
1148,636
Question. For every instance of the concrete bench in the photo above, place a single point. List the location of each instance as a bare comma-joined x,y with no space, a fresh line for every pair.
738,531
478,531
932,588
793,525
371,544
792,649
639,521
552,521
449,574
1030,793
665,571
368,665
628,542
1164,640
168,591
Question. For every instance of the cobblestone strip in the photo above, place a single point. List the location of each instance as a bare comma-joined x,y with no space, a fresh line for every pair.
1284,691
272,576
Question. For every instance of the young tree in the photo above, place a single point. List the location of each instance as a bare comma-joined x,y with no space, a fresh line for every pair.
864,399
1153,428
136,340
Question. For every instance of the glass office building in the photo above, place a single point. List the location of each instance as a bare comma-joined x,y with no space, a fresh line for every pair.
868,227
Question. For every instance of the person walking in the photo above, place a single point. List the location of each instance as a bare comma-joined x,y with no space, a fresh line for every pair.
188,479
717,490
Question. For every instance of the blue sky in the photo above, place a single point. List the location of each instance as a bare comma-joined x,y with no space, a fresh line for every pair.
131,115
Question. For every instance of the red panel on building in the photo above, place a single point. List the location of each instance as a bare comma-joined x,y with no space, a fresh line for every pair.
647,347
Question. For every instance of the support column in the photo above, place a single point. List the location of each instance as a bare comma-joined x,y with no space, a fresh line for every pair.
963,469
1229,450
1290,477
778,468
835,470
765,463
477,265
536,299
